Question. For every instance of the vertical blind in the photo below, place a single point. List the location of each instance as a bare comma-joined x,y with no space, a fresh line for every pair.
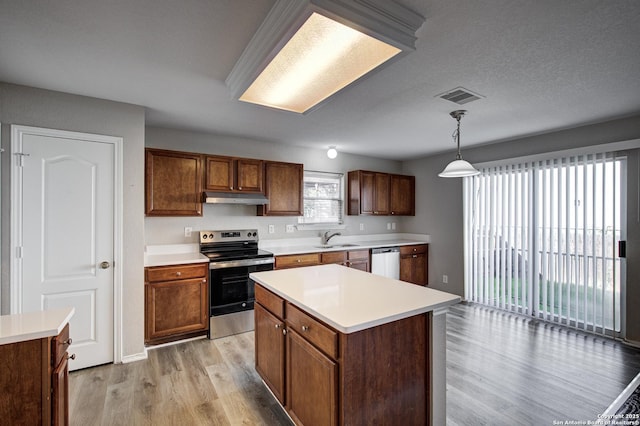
541,239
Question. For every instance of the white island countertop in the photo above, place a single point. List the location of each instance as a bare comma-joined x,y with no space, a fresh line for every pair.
33,325
350,300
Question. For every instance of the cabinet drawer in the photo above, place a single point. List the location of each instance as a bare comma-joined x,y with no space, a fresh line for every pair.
313,330
177,272
334,257
358,254
296,260
417,249
272,302
59,346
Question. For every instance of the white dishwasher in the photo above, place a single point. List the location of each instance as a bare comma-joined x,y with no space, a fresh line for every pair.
385,261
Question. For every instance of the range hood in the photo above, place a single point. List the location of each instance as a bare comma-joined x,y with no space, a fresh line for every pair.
235,198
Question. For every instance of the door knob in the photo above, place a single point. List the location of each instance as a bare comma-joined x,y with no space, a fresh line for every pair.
105,265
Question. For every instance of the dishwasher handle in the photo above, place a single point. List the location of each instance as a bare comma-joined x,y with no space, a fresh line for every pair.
385,250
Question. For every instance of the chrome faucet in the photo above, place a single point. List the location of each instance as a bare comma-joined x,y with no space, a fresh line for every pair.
326,237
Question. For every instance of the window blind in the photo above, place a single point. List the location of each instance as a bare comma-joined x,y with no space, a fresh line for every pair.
323,198
541,239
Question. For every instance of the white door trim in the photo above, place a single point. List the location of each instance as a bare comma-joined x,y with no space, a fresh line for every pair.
15,287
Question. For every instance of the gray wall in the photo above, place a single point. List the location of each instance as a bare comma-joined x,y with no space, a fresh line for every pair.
439,202
42,108
162,230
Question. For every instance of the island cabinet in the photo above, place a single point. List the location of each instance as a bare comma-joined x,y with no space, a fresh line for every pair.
35,380
173,183
176,302
283,188
381,194
325,377
228,174
414,264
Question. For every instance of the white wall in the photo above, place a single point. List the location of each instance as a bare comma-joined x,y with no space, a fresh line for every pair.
43,108
439,202
161,230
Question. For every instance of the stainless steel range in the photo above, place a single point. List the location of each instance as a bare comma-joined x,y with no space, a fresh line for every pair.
233,255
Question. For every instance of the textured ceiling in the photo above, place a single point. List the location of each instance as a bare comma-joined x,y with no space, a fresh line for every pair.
541,65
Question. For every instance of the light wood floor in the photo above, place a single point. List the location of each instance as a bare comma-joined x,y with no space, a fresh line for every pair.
502,369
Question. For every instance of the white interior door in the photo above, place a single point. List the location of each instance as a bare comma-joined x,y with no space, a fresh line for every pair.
65,240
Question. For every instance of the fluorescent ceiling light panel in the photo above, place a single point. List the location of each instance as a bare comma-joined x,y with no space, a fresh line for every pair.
306,51
323,57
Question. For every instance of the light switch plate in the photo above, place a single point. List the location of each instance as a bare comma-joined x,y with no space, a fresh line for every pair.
290,228
272,229
187,231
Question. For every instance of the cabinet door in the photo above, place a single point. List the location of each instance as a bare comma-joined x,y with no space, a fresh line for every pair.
173,183
60,394
402,197
367,192
270,344
218,173
249,175
382,205
176,307
311,384
339,257
283,188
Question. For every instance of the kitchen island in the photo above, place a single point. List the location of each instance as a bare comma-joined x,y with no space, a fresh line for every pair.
339,346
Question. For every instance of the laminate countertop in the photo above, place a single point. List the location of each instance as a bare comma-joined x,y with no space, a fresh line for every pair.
350,300
33,325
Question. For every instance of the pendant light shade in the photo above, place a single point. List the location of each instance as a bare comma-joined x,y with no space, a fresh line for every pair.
458,167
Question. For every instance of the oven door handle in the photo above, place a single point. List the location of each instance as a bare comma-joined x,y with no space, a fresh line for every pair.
242,262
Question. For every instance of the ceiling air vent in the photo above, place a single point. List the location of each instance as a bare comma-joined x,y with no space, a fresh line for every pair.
459,95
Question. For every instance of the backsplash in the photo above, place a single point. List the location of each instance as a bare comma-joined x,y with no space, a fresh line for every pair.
171,230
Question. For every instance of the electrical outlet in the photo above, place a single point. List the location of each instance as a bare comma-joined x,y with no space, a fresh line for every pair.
393,226
362,226
445,279
388,226
272,229
290,228
187,231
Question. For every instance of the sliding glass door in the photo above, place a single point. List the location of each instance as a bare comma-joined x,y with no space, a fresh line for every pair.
542,238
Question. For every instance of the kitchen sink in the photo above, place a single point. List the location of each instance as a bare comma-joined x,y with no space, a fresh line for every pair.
326,246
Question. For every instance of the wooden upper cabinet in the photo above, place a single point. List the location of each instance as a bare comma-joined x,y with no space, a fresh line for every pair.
173,183
371,193
403,195
227,174
283,188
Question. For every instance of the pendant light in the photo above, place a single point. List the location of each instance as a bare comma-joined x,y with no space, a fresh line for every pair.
458,167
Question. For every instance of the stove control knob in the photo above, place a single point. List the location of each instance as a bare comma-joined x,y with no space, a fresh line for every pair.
204,236
249,235
244,305
211,236
255,234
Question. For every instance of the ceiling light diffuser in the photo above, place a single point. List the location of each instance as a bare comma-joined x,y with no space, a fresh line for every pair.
308,50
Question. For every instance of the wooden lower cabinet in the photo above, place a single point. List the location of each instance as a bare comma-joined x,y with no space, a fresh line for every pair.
375,376
176,302
312,392
414,264
358,259
297,260
270,350
35,381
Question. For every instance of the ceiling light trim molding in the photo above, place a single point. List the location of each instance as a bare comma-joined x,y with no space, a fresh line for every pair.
384,20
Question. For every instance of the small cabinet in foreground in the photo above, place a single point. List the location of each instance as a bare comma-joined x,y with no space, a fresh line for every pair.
176,302
414,264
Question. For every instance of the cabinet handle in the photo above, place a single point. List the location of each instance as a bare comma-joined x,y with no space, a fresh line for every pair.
277,325
393,212
178,274
414,256
415,250
348,264
204,281
68,341
231,187
73,356
298,261
305,328
284,331
239,188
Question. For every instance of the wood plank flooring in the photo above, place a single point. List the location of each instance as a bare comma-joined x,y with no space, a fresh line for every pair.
502,369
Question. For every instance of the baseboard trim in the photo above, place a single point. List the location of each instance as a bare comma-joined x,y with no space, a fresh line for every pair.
135,357
621,399
631,343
